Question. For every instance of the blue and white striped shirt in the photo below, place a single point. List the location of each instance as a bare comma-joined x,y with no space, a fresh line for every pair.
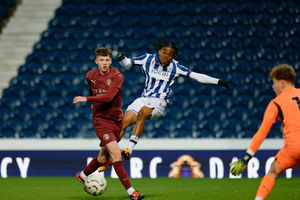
158,79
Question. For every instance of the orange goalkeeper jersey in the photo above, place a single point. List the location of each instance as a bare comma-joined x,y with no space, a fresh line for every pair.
285,107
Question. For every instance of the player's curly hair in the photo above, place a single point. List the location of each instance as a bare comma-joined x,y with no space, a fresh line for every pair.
283,72
162,42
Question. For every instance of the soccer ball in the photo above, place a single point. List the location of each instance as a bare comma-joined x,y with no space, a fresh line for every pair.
95,184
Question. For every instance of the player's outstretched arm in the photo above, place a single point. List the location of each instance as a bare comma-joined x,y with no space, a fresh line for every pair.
79,99
239,166
203,78
106,98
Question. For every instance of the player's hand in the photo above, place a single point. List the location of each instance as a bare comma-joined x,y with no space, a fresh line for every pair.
237,167
79,99
126,153
223,83
120,57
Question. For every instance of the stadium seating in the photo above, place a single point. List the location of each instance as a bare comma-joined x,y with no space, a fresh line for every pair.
239,41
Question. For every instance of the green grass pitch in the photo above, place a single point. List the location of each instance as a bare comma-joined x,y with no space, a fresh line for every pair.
68,188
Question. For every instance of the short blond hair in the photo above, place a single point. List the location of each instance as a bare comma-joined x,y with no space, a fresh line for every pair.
283,72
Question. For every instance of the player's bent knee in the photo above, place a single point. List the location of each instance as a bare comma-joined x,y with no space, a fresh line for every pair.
129,118
275,171
102,159
145,113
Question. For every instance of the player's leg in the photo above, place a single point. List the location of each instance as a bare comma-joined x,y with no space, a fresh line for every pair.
146,109
143,114
129,118
101,160
115,153
268,182
103,130
104,159
284,159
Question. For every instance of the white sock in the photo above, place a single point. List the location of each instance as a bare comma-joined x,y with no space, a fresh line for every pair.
83,175
130,190
132,141
258,198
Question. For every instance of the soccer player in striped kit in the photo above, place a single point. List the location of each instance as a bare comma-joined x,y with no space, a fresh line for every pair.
105,85
285,107
160,70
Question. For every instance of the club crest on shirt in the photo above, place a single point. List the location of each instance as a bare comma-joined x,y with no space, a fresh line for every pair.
108,82
106,137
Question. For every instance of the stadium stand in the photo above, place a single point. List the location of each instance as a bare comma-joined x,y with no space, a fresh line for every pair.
239,41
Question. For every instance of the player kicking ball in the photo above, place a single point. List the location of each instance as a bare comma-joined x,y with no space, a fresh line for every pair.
160,70
286,108
105,86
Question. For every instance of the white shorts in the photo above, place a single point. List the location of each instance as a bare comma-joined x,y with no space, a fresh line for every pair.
158,105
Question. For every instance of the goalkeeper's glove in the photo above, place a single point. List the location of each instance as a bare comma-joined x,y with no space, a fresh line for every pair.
239,166
120,57
223,83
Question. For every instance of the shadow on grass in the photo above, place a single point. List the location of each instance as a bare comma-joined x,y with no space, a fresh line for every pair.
104,197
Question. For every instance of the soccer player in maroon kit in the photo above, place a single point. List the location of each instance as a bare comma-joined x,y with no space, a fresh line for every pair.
105,85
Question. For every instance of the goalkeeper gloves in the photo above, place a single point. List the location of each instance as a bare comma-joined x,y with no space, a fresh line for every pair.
120,57
239,166
223,83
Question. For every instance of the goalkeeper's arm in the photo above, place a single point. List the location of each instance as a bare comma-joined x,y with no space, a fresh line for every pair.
248,155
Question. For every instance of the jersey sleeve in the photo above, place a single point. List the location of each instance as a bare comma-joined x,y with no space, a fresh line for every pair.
140,60
108,97
269,119
183,71
87,78
114,88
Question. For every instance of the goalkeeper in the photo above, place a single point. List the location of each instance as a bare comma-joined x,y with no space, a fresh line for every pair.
286,108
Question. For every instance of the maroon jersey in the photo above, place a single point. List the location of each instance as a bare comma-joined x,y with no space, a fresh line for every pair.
102,88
